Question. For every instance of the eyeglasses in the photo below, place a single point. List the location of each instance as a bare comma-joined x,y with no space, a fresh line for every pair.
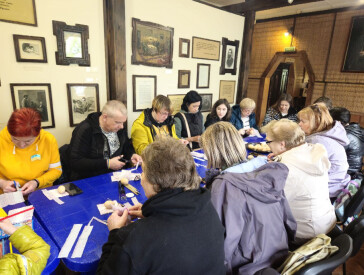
268,141
164,113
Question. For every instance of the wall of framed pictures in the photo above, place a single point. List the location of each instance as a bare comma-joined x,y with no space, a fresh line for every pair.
185,20
31,76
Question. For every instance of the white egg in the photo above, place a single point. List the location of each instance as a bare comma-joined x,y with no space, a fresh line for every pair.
61,189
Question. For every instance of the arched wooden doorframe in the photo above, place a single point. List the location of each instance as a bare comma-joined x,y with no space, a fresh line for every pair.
278,58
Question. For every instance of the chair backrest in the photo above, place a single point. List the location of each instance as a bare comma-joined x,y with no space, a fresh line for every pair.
355,204
356,231
326,266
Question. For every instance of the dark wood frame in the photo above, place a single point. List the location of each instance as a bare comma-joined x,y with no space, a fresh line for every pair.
181,41
225,43
194,53
180,74
28,24
61,58
354,45
210,98
12,85
198,76
134,60
134,89
16,38
69,99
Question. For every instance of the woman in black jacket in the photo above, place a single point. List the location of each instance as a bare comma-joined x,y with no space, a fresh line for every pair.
179,231
221,111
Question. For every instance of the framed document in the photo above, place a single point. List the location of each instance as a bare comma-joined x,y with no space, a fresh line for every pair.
30,48
176,102
184,47
36,96
144,91
203,76
19,12
227,90
184,78
83,99
206,102
205,48
229,56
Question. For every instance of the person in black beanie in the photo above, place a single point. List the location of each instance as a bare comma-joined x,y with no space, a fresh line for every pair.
189,121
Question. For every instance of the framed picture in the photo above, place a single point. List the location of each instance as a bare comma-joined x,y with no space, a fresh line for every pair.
184,78
19,12
152,44
72,46
83,99
354,57
176,102
144,91
30,48
205,48
184,47
229,56
227,90
203,76
36,96
206,102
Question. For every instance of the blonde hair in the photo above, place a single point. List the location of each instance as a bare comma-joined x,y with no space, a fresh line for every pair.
168,164
247,103
160,102
285,130
223,145
318,116
112,106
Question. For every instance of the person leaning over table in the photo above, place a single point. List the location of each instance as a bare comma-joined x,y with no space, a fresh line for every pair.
243,117
153,122
29,155
34,252
283,108
250,201
99,141
190,111
179,231
306,187
319,127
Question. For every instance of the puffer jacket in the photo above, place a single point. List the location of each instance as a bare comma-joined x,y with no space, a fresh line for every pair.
237,121
34,253
355,150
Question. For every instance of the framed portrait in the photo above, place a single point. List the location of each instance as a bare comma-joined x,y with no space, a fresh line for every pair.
83,99
354,57
152,44
184,78
203,76
72,44
206,102
205,48
176,101
37,96
19,12
227,90
30,48
184,47
229,56
144,91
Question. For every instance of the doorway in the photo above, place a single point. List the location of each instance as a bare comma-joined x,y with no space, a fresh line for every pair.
278,83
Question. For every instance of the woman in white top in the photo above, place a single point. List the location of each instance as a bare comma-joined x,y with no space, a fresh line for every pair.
306,187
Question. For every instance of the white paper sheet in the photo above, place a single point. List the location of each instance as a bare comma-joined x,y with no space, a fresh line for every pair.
82,241
51,197
56,194
21,217
66,248
11,198
124,174
135,200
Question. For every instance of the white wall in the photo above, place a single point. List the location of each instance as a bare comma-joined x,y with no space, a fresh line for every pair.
188,18
87,12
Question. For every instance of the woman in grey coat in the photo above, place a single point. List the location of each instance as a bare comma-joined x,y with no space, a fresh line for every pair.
249,199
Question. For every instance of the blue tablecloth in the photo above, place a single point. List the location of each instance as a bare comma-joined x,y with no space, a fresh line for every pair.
53,260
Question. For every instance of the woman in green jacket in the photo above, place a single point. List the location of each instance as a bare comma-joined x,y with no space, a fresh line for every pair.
34,251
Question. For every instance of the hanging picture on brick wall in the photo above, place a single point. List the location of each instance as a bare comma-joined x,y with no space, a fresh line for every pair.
354,57
229,56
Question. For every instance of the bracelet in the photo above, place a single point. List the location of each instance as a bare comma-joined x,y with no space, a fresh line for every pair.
37,181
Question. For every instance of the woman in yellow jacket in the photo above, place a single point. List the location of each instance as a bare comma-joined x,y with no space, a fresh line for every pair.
34,251
153,122
29,156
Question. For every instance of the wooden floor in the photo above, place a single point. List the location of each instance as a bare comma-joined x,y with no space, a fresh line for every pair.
354,266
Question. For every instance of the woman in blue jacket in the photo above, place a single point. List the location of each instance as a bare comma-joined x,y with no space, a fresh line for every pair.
243,117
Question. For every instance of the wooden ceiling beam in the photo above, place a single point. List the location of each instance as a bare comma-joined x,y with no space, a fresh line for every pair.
259,5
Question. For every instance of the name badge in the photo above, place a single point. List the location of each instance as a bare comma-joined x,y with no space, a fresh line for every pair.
35,157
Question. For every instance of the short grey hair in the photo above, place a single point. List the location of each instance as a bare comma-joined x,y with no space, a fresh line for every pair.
112,106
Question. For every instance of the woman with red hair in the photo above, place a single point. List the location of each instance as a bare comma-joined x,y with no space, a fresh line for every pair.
29,156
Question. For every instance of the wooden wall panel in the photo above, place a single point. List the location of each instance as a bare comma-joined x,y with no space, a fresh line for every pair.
318,90
349,96
253,90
